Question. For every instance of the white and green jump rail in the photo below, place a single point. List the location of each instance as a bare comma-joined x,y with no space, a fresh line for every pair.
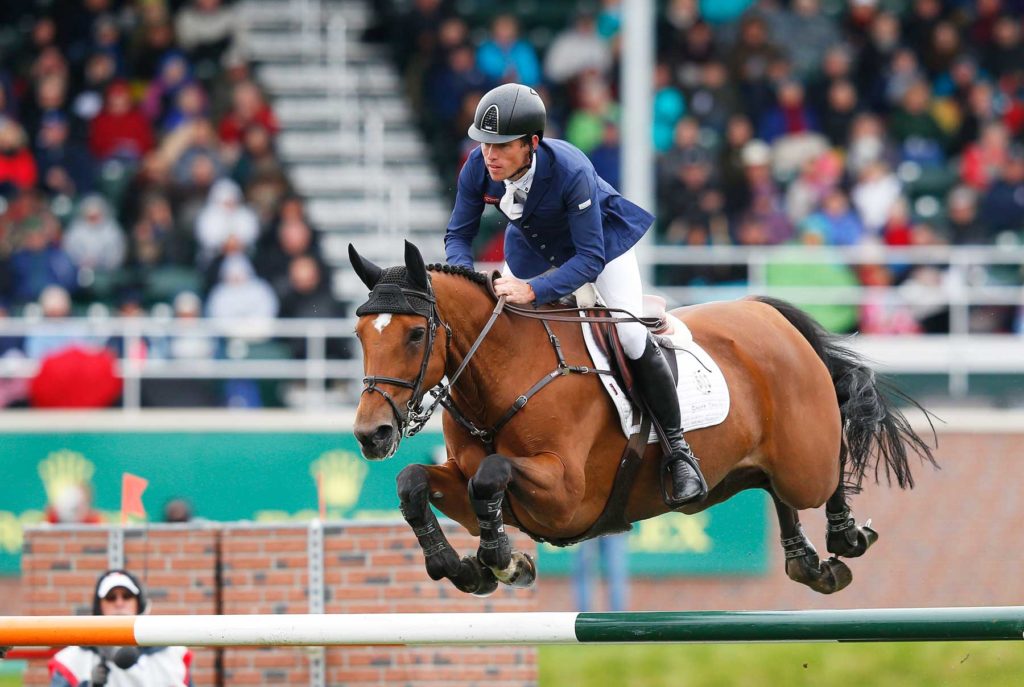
861,625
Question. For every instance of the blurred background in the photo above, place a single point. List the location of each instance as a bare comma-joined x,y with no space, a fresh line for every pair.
180,179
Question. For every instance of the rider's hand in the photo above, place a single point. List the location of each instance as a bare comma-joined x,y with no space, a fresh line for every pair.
99,674
515,291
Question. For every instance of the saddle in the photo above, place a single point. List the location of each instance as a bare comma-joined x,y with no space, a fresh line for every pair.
606,336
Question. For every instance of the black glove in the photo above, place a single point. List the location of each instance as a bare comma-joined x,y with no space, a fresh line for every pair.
99,674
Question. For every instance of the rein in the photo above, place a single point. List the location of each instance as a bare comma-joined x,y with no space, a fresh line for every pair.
486,434
441,395
554,315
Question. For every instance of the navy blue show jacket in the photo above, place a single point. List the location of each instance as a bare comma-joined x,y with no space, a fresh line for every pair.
573,220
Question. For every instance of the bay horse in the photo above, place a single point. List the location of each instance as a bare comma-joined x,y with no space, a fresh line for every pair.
807,419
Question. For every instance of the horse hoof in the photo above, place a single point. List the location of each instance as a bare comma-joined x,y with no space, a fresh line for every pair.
852,542
826,577
867,535
475,578
441,565
521,572
835,577
488,584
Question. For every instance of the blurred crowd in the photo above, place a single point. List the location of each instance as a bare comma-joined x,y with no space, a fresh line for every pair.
814,122
138,175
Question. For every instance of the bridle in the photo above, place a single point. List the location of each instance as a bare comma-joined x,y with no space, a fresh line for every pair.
411,421
414,418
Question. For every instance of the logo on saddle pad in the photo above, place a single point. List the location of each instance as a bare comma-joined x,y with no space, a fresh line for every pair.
702,381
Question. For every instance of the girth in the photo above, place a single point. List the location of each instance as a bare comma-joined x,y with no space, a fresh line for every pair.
612,519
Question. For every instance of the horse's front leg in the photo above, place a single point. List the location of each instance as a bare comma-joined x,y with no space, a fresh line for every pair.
416,485
487,493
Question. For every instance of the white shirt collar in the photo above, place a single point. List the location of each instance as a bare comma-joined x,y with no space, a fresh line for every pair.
526,181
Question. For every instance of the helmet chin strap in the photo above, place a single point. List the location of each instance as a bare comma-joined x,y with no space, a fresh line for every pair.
516,175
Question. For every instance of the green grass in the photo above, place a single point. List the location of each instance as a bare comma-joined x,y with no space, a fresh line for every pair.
959,664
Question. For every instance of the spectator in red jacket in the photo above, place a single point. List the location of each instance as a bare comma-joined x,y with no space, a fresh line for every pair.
983,160
248,107
17,166
120,130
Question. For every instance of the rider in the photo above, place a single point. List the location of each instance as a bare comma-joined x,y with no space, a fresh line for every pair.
567,227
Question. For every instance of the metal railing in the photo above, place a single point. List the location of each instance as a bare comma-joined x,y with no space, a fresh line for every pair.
958,355
967,282
230,344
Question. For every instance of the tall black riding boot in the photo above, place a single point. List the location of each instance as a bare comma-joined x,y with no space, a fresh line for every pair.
681,478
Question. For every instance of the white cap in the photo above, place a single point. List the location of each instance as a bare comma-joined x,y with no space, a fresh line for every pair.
114,580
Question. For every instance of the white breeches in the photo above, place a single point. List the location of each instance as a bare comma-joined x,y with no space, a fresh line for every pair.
619,286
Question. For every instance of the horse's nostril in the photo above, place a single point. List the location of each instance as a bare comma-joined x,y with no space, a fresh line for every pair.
382,434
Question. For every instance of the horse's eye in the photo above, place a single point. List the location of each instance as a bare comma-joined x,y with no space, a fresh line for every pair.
417,334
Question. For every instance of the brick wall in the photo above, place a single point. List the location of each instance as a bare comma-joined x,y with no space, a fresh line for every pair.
374,568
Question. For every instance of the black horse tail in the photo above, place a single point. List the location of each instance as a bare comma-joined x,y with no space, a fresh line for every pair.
871,424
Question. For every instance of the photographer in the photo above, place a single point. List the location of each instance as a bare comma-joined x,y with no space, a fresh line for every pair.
118,592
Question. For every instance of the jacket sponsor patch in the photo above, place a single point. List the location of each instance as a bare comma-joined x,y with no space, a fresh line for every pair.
491,200
585,205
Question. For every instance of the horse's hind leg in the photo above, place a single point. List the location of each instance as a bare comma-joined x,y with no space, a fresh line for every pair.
802,562
486,493
845,537
468,574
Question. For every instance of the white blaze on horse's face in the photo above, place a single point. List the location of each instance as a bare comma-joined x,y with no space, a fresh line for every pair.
383,320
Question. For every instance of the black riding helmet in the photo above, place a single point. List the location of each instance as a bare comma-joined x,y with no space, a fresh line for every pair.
508,112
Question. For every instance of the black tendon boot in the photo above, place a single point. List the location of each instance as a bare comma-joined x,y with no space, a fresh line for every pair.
681,479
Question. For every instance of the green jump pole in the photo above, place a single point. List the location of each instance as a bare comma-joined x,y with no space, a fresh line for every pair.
859,625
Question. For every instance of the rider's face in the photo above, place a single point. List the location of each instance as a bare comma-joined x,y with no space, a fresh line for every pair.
504,159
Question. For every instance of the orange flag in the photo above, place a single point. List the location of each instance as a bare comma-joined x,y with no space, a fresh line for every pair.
320,500
132,487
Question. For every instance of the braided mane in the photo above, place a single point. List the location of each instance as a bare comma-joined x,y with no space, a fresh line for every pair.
460,271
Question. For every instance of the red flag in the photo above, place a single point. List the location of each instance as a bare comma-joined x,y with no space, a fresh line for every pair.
132,487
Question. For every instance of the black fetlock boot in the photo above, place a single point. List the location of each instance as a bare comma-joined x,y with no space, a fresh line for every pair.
681,478
495,549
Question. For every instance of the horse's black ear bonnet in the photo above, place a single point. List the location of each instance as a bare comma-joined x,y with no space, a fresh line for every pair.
396,290
397,294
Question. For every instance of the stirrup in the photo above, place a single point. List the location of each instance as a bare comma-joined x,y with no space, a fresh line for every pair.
668,483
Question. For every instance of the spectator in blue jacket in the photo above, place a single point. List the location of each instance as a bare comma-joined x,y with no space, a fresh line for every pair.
40,261
65,166
505,57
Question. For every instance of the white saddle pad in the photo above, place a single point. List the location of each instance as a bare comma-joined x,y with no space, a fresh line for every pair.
703,393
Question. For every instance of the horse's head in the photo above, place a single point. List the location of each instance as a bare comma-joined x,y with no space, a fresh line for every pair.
403,356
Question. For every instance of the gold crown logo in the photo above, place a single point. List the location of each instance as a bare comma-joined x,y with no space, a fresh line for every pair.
62,469
342,473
